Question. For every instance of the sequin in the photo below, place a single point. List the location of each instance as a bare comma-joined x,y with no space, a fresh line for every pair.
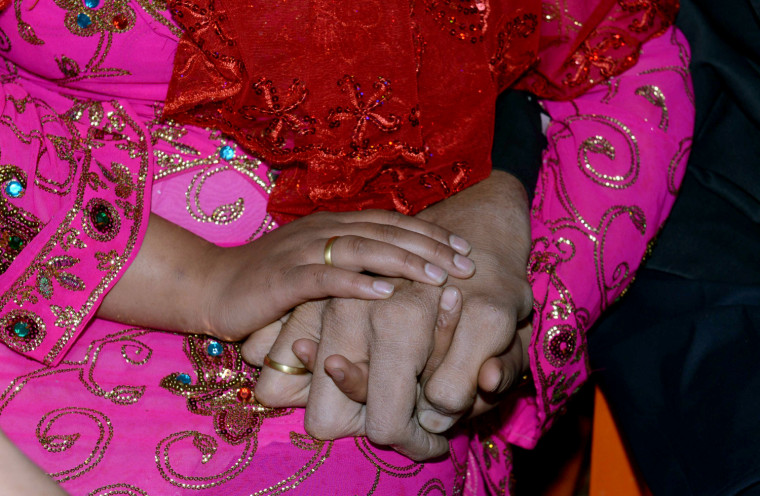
214,348
184,378
21,329
83,21
227,152
120,21
14,188
559,345
91,4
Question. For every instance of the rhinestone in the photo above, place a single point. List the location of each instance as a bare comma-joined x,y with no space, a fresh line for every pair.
214,348
184,378
21,329
120,21
227,152
244,394
83,21
14,188
15,243
101,218
91,4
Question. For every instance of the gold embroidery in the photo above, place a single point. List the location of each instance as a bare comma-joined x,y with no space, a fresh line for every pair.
57,443
654,95
118,490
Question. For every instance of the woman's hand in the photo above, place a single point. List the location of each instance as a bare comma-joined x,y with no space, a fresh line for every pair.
398,337
180,282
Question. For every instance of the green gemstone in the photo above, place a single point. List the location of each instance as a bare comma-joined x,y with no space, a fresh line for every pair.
21,329
102,219
15,243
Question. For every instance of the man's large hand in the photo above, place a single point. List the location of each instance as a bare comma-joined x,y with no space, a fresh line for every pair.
398,339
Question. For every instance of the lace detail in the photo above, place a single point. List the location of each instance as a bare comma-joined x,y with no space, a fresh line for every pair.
384,106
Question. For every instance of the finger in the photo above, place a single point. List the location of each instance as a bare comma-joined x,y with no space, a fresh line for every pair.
275,388
434,231
402,254
506,370
306,351
428,248
500,376
351,378
485,330
402,343
345,331
449,313
257,345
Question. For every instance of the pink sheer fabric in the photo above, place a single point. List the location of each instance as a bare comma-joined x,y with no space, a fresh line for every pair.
108,408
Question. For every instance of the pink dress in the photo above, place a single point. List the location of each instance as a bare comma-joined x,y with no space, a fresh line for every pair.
111,409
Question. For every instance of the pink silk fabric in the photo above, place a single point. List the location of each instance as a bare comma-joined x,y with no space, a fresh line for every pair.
112,409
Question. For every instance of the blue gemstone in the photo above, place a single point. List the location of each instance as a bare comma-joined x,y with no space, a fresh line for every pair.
91,4
83,21
214,348
14,188
227,152
21,329
184,378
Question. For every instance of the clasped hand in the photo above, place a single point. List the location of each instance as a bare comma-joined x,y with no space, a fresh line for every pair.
402,370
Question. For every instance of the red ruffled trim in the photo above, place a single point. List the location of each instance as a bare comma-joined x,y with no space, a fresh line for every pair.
381,105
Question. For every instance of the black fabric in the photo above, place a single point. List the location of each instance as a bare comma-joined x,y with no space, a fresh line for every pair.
679,357
678,362
713,232
518,139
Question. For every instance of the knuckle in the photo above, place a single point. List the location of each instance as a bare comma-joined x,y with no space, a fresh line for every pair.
382,433
323,427
358,246
408,260
443,252
493,316
450,396
318,429
319,276
273,393
388,233
391,218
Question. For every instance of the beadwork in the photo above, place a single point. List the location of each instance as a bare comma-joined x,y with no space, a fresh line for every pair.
101,220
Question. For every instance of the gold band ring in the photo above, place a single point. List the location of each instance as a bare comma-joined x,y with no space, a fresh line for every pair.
285,369
328,250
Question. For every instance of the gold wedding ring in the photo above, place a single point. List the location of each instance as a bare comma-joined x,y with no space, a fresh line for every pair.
328,250
285,369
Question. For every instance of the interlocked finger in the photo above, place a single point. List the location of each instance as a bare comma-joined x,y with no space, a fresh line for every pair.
275,388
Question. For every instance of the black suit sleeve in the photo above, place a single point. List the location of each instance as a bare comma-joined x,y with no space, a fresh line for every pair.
518,140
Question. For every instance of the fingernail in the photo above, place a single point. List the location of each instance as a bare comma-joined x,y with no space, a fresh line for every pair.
436,273
382,287
464,263
459,244
434,422
336,374
448,299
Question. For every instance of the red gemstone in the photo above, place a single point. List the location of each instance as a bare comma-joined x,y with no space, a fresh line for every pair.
120,21
244,394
